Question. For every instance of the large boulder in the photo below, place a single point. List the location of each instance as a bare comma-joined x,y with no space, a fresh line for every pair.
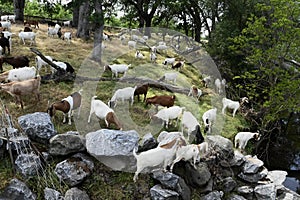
75,193
28,164
113,148
37,126
223,147
158,192
17,190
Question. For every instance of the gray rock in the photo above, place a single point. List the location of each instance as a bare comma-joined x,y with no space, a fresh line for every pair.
228,184
148,142
173,182
246,191
277,176
74,170
65,144
37,126
113,148
157,192
17,190
265,192
237,160
76,194
222,147
51,194
252,165
251,178
236,197
284,193
215,195
166,137
28,164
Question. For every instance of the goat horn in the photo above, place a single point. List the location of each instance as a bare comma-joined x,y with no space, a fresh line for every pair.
48,103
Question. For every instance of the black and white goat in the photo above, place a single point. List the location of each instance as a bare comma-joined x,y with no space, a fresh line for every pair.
67,106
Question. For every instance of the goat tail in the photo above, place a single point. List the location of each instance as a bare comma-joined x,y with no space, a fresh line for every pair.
94,97
134,152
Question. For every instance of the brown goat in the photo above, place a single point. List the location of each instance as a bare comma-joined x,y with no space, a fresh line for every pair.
16,62
143,89
163,100
67,106
22,88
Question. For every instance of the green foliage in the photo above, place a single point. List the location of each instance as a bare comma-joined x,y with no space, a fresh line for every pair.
6,6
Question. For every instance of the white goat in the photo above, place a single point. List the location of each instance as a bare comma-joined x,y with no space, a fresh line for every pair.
206,81
161,155
67,23
6,24
122,94
117,68
139,55
153,57
67,36
189,122
190,151
27,36
209,117
169,61
21,74
235,105
162,47
195,92
131,44
54,31
220,85
170,76
241,139
102,111
166,114
40,62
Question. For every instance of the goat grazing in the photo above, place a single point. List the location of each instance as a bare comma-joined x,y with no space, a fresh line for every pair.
138,55
166,114
15,62
209,117
153,57
190,151
22,88
21,74
143,89
178,65
40,62
6,25
235,105
122,94
102,111
169,76
27,36
195,92
55,31
163,100
117,68
161,155
241,139
169,61
190,122
67,106
206,81
34,23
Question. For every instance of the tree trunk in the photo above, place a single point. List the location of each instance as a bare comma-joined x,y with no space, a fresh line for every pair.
83,21
99,24
19,6
75,16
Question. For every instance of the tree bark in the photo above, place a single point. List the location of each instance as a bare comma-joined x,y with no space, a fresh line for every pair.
19,6
83,21
75,16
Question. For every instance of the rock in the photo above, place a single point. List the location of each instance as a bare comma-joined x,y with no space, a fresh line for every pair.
246,191
65,144
173,182
148,142
74,169
113,148
236,197
237,160
222,147
159,193
265,192
75,193
277,176
228,184
51,194
28,164
166,137
37,126
215,195
284,193
17,190
252,165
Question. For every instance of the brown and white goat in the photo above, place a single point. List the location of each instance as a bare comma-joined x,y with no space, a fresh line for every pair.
163,100
21,88
67,106
143,89
102,111
16,62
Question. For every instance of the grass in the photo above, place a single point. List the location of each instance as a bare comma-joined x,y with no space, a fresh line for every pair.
118,185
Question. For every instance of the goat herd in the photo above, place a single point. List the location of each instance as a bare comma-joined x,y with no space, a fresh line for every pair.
24,80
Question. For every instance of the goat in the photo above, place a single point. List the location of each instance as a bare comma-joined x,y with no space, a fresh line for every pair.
64,65
27,36
166,114
67,106
131,44
102,111
163,100
162,47
21,74
235,105
220,85
18,89
143,89
178,65
67,23
206,81
40,62
154,157
169,76
195,92
209,117
198,135
55,31
16,62
169,61
27,29
34,23
67,36
190,122
139,55
241,139
4,43
190,151
153,57
6,25
117,68
122,94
